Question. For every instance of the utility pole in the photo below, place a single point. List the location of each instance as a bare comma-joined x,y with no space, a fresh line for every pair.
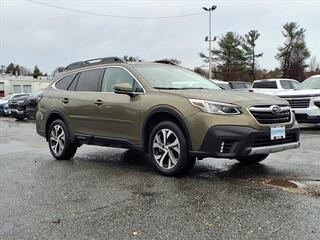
209,39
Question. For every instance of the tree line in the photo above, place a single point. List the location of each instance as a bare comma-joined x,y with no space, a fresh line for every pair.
236,57
19,70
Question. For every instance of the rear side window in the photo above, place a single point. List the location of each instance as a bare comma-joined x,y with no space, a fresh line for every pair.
64,83
89,80
285,84
266,84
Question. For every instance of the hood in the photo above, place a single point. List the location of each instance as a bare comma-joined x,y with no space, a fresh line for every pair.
18,99
228,96
2,102
302,92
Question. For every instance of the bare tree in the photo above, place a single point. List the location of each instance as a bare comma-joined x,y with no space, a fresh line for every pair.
314,64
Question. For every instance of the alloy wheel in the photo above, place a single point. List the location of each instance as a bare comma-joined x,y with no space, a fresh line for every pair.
166,148
57,139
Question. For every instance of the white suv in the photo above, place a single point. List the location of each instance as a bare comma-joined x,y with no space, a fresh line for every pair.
274,86
305,102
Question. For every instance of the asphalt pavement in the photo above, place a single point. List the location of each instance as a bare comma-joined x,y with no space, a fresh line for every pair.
107,193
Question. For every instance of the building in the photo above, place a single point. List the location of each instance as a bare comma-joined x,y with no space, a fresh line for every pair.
17,84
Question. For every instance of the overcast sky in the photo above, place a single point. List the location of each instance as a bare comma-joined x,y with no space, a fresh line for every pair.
34,34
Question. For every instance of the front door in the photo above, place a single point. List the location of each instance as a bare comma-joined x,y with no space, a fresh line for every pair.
119,113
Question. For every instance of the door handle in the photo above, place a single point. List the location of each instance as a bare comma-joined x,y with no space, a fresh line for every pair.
98,102
65,100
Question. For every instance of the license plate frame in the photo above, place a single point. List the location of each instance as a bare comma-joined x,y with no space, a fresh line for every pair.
277,133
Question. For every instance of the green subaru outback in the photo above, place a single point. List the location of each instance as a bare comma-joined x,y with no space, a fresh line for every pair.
172,114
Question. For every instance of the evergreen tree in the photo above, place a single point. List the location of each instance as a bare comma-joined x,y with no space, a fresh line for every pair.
293,54
36,72
10,69
249,44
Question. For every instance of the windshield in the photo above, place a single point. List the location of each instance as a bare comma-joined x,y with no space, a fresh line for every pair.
7,97
38,93
240,85
288,84
172,77
311,83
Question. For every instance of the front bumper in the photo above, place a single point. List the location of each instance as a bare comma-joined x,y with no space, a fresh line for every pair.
16,112
240,141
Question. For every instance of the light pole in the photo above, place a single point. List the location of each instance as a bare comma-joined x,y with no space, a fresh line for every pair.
210,37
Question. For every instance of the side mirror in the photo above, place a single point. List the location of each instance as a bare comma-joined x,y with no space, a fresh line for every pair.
123,88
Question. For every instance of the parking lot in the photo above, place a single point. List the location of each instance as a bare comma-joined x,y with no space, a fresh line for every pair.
116,194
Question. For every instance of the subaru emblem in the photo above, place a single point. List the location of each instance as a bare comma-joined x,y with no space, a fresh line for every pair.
275,109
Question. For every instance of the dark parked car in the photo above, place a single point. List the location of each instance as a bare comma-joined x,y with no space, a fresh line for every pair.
25,106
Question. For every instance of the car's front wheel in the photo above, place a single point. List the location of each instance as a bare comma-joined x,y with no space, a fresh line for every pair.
168,149
59,141
254,159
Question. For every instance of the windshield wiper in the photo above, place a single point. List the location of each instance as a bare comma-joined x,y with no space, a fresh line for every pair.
171,88
167,88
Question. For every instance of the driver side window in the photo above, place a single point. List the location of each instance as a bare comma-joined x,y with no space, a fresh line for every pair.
115,75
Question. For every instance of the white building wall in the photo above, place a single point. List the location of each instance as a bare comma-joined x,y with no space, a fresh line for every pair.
13,84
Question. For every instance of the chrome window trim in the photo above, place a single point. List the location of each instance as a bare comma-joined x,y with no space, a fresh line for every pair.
98,67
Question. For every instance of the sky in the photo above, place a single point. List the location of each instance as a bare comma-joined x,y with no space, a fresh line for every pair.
49,37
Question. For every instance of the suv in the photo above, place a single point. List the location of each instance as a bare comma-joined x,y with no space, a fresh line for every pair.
172,114
24,106
305,102
4,102
274,86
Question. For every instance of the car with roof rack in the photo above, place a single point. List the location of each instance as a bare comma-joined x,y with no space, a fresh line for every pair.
170,113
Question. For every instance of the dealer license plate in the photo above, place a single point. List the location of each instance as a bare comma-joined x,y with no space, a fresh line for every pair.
278,133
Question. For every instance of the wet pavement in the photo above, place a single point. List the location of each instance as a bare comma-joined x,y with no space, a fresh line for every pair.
107,193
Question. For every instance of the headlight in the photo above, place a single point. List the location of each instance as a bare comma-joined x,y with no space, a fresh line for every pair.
215,107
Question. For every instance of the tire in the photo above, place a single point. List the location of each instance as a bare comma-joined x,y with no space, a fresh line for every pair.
31,117
251,160
19,118
59,142
169,156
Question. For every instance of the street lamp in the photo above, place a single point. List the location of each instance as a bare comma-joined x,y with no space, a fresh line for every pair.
210,37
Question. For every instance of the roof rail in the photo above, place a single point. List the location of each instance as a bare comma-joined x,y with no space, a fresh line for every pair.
165,62
92,62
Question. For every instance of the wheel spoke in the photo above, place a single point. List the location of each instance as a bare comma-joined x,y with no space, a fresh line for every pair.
164,134
157,145
172,158
162,158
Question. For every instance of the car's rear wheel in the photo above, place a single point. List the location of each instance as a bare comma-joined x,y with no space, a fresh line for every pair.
59,141
251,160
168,149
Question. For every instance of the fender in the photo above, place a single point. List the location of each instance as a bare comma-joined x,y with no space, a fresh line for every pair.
174,113
57,112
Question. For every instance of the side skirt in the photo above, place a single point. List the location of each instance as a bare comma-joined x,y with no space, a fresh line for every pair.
106,142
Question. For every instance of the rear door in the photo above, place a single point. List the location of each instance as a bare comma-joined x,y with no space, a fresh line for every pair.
80,102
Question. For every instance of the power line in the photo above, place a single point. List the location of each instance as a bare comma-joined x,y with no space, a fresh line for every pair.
112,16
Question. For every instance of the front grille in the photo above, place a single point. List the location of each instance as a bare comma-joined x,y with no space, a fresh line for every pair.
265,140
13,106
299,103
267,115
